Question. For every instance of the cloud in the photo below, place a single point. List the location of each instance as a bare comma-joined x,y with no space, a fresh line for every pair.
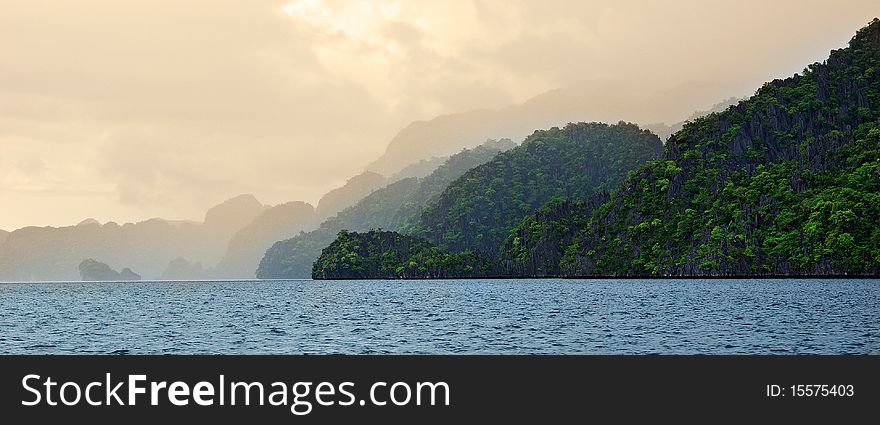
127,110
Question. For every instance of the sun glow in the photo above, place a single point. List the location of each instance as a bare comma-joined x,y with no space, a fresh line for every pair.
360,19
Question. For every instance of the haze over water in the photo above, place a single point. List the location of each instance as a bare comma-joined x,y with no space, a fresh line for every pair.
792,316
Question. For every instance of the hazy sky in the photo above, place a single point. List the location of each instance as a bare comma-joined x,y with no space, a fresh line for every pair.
129,109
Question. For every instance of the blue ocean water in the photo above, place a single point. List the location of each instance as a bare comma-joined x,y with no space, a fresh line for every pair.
549,316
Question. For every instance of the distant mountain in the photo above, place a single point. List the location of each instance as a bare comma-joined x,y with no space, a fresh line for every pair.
3,235
54,253
181,269
234,213
419,169
477,211
249,244
397,205
92,270
355,189
593,101
663,130
441,136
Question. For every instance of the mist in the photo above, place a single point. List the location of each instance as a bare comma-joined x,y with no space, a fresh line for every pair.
124,111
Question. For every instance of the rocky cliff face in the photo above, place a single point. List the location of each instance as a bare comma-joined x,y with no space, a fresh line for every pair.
784,183
544,243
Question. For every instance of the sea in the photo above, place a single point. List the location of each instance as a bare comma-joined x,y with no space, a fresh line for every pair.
541,316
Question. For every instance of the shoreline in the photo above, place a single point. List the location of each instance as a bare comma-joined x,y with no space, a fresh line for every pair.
609,278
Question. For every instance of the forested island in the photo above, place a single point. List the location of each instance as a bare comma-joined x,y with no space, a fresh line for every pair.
381,254
785,183
394,207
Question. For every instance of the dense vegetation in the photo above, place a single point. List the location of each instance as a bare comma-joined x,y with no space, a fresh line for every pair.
478,210
539,246
92,270
391,255
393,207
784,183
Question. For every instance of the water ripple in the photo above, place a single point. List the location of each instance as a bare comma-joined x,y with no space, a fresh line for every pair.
435,317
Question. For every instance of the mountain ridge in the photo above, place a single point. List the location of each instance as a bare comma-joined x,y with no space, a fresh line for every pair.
392,207
54,253
478,209
784,183
588,100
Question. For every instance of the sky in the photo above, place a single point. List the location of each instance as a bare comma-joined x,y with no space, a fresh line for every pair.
123,110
